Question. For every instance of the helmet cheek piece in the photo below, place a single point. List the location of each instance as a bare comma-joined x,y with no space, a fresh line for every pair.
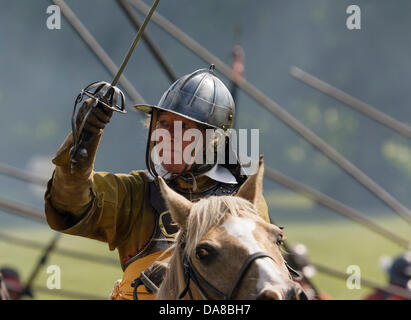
150,144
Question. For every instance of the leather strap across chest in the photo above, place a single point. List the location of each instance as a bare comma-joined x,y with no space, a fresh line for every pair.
158,203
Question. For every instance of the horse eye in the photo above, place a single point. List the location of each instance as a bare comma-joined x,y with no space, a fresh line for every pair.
280,240
201,253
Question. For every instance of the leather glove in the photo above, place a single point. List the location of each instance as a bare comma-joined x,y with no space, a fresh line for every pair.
93,128
96,120
71,186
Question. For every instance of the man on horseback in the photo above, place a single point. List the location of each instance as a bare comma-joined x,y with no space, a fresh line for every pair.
127,210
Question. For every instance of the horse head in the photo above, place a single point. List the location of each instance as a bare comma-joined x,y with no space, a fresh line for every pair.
224,250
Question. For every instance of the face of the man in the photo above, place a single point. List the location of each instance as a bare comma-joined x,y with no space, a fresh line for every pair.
167,121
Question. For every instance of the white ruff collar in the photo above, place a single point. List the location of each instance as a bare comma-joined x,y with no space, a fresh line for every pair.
217,173
220,174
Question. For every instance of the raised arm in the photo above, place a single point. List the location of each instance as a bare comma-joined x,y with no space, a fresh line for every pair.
71,188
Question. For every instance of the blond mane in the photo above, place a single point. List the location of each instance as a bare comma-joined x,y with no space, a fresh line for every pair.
204,215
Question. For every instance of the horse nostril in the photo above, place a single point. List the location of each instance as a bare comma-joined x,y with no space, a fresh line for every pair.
269,295
301,295
296,293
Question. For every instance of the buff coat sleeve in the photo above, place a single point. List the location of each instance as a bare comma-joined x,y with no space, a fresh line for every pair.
96,205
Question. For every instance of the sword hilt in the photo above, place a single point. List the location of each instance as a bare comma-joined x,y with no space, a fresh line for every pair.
104,95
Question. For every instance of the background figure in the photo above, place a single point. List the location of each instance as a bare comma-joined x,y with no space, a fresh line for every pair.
399,275
11,282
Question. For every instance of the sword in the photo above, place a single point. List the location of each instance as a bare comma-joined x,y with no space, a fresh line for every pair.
102,93
133,45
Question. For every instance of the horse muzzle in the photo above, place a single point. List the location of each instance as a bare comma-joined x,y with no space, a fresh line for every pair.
292,292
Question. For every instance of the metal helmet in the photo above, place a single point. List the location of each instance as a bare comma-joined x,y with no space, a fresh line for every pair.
199,96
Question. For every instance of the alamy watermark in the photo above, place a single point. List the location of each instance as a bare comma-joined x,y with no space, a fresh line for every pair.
354,280
54,19
354,19
54,278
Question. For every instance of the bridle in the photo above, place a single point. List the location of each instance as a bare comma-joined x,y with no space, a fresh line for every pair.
191,273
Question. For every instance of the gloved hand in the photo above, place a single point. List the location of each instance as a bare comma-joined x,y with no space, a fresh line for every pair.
97,119
89,135
72,180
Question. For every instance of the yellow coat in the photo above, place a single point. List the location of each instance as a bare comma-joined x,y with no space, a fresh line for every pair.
115,209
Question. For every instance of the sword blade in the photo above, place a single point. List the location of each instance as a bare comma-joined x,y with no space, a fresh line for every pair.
133,45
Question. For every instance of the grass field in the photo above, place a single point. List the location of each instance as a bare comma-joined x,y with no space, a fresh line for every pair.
337,243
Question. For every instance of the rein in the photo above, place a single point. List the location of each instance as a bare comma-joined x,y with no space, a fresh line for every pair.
191,273
143,279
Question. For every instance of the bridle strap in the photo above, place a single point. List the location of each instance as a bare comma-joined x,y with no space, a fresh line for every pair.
196,276
143,280
190,272
245,267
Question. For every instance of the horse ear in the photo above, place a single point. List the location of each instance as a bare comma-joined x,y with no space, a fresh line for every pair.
178,205
252,188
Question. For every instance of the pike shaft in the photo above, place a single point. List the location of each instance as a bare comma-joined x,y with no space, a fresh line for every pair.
133,45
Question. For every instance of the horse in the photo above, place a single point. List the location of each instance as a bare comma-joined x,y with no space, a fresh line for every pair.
224,250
